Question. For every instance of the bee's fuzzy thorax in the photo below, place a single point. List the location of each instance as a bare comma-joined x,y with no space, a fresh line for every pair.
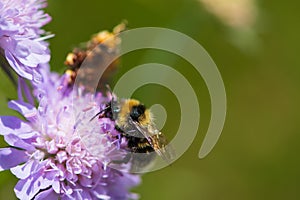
146,118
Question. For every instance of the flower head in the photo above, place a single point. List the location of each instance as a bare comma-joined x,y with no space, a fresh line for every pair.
60,152
20,31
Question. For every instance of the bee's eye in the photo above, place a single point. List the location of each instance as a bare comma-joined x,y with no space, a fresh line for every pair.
137,111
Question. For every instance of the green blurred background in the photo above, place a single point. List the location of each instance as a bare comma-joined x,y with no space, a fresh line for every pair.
255,48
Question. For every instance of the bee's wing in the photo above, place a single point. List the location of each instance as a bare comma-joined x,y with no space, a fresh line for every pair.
163,150
157,140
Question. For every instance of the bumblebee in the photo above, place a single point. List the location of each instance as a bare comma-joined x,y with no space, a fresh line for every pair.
135,122
96,54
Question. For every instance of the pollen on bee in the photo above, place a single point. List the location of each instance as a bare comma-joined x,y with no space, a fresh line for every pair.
102,36
69,72
70,59
71,76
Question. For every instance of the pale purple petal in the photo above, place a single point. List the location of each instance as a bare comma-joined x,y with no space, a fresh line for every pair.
23,171
37,77
29,187
24,91
100,194
56,186
20,89
86,181
16,141
83,194
61,156
10,157
17,66
6,28
47,195
13,125
24,189
107,125
31,53
26,109
119,190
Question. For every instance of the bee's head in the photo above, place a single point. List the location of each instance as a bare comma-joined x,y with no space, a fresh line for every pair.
137,111
134,110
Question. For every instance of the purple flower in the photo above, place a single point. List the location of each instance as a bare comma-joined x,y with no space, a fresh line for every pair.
20,35
59,152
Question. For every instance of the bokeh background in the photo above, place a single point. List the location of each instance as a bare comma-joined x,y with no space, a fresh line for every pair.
255,45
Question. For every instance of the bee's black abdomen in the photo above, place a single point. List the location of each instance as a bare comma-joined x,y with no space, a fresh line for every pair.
139,145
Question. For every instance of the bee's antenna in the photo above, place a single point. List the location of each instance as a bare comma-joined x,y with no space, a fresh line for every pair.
101,111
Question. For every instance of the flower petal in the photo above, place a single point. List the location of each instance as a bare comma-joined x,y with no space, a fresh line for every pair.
38,52
26,109
15,141
19,69
47,195
7,28
29,187
10,157
82,194
15,126
56,186
25,170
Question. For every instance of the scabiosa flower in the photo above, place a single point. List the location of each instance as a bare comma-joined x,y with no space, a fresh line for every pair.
20,36
58,152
